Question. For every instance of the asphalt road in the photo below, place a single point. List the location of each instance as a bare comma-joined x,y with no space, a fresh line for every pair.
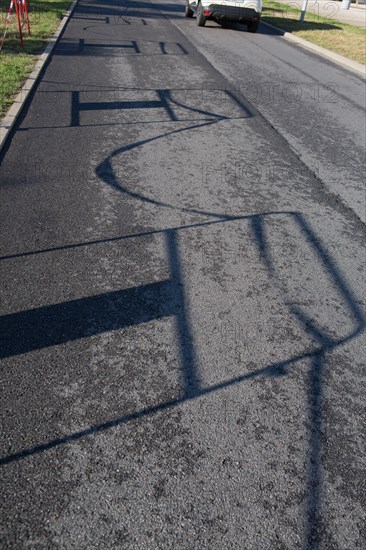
182,290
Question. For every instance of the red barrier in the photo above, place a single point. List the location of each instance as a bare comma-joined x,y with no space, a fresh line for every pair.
22,16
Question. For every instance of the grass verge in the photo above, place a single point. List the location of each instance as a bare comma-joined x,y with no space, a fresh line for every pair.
338,37
16,63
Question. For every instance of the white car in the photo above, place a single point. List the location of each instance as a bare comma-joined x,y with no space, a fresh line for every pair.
242,11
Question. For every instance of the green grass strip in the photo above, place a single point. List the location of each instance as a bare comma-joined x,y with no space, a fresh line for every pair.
338,37
16,63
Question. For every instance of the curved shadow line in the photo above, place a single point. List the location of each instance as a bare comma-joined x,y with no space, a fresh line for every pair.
106,173
167,94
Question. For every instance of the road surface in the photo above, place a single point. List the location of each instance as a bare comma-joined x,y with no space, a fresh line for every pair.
182,291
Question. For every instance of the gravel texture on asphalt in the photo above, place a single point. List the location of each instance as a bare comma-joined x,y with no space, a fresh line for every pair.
182,290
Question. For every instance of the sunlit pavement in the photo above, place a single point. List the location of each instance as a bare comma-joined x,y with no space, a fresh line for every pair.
182,292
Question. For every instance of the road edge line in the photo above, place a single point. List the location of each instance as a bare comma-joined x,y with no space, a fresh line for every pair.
337,58
7,123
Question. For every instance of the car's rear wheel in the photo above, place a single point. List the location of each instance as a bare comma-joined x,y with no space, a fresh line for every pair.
253,25
200,18
188,12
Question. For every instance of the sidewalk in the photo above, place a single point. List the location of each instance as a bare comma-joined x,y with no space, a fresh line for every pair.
332,9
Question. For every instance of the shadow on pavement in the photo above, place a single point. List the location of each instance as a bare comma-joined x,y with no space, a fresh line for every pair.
25,331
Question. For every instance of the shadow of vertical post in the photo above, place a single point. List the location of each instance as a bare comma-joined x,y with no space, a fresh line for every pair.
191,380
318,359
315,395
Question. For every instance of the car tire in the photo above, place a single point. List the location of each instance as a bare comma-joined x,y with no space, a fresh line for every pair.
188,12
253,25
200,18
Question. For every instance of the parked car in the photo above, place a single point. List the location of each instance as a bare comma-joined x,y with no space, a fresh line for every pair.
242,11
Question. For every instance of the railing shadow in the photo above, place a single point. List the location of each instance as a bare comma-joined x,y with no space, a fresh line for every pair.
129,9
120,48
93,315
68,321
163,99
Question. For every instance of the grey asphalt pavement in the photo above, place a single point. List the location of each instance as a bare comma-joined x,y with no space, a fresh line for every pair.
182,276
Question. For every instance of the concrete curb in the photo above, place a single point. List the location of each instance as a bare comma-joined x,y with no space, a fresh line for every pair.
11,117
345,62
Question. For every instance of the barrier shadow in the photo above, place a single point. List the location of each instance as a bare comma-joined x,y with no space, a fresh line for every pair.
82,47
164,100
69,321
60,323
128,9
57,324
